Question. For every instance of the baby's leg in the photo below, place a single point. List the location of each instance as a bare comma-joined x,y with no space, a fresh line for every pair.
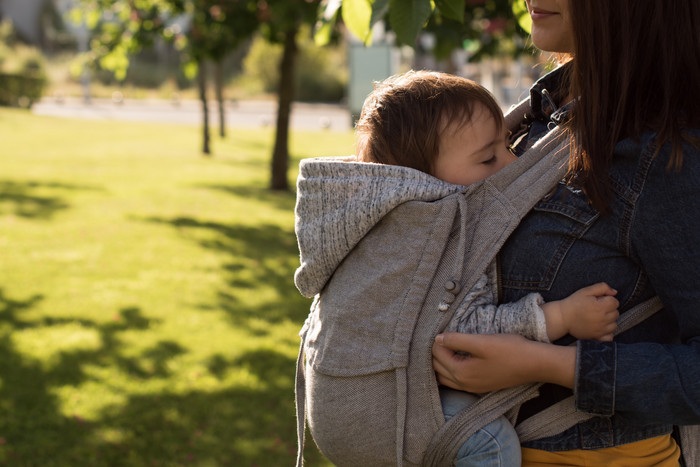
496,444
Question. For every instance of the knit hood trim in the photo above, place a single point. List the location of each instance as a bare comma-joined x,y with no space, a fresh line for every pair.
339,200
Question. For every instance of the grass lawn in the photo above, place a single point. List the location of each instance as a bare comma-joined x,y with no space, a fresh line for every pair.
147,310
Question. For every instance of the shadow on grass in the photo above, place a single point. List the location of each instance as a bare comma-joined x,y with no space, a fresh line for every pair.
33,427
262,258
241,426
258,260
27,199
238,426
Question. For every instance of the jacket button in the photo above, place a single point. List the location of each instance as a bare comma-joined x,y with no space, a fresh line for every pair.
448,297
453,286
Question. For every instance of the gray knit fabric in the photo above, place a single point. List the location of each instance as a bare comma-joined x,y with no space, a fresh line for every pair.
478,313
340,200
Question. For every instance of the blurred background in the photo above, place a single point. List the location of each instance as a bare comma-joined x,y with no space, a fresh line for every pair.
149,151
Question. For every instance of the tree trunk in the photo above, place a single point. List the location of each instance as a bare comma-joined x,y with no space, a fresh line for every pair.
280,154
202,84
219,85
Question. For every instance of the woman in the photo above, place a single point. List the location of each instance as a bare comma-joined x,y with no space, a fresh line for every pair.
628,214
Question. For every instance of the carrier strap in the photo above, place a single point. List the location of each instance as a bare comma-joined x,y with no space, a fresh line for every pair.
549,422
451,436
563,415
401,402
690,444
300,397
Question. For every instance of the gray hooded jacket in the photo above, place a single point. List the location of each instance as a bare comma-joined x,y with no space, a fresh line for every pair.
339,201
390,254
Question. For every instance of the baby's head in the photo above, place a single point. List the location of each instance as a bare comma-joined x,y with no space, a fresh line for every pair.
441,124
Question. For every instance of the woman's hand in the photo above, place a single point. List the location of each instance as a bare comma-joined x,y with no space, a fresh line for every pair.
498,361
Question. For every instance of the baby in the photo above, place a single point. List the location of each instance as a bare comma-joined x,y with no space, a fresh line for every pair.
453,129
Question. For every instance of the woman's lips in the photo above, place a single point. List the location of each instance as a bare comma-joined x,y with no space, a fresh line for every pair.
538,13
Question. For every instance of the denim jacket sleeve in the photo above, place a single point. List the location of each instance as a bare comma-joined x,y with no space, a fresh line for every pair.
653,382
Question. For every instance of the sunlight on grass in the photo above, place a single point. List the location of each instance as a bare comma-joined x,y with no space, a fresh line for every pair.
47,342
147,310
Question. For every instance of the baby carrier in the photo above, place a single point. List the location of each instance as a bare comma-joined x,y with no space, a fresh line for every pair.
365,381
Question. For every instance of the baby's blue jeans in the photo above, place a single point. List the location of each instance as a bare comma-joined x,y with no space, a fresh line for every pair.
494,445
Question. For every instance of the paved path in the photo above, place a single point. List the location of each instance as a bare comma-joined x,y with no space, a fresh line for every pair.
239,114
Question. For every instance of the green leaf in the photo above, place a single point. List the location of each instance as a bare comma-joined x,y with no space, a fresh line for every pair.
117,61
408,17
322,33
379,10
79,65
453,9
327,17
522,15
190,69
92,18
75,16
356,16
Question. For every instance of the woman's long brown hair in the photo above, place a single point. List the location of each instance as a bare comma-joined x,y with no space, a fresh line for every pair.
636,67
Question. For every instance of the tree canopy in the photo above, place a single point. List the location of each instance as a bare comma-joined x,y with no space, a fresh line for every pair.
200,29
484,27
209,29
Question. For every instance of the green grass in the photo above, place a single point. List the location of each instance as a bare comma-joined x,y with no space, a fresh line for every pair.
147,310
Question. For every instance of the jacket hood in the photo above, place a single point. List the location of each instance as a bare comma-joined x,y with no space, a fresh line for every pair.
339,200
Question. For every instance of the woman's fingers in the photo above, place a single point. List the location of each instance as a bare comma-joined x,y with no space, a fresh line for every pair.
458,342
448,365
443,375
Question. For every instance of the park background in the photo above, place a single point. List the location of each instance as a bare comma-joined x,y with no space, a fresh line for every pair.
148,314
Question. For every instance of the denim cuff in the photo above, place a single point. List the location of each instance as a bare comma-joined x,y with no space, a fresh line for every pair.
596,365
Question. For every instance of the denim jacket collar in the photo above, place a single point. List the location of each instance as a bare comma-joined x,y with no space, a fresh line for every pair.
541,101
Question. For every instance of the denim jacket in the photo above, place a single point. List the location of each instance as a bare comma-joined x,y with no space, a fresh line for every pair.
648,379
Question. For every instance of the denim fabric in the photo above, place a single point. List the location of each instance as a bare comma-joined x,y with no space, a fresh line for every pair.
649,378
495,445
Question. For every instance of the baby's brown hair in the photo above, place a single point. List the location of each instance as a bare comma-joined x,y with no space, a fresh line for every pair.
403,118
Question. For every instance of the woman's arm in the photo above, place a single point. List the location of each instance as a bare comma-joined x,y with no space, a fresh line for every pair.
656,382
498,361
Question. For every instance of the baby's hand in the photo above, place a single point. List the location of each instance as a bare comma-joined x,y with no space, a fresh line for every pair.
591,312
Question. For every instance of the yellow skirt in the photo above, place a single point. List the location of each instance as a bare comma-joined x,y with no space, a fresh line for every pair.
661,451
